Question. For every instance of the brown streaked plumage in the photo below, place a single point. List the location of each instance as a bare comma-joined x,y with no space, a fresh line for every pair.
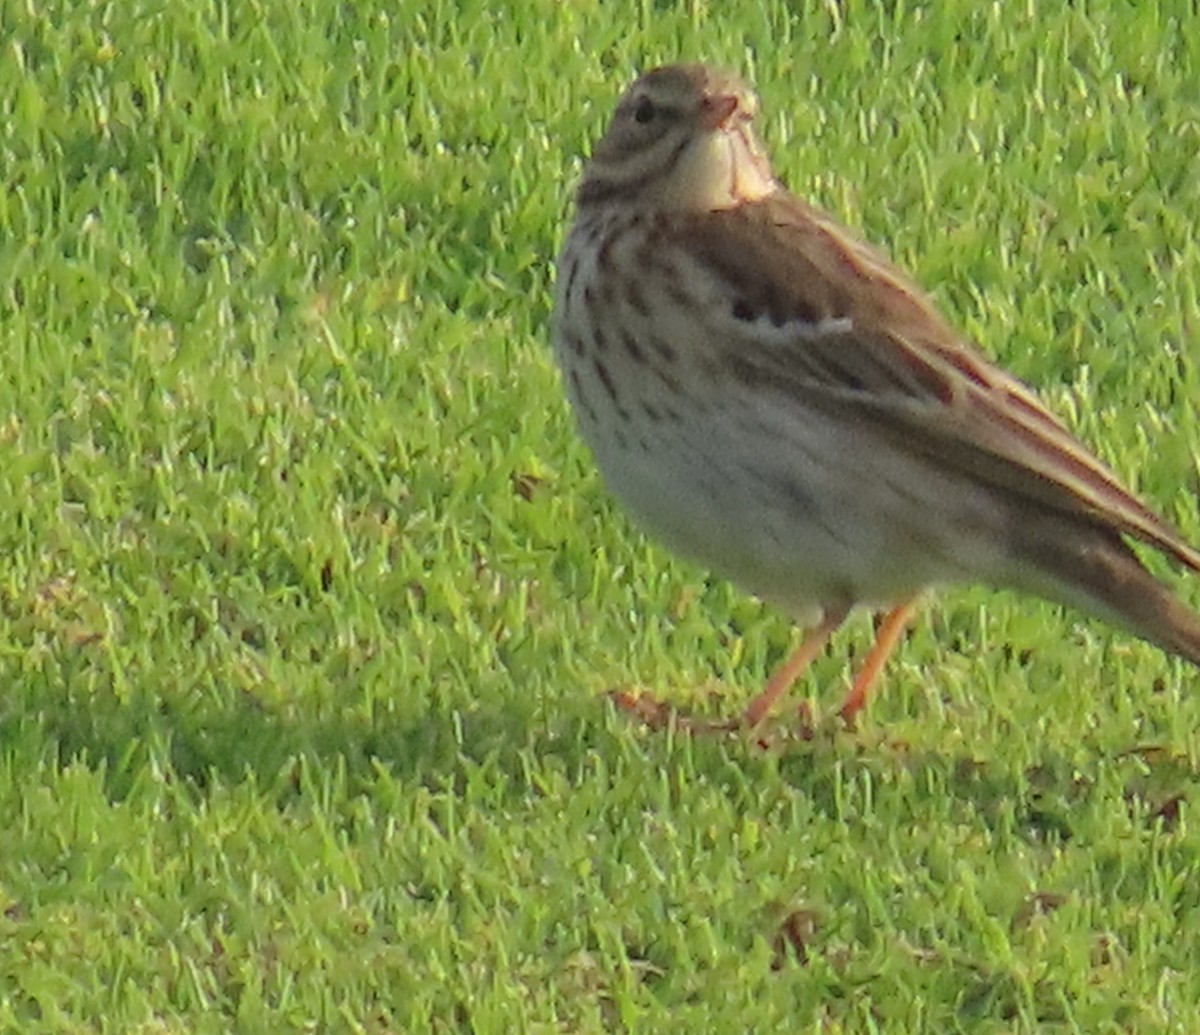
774,398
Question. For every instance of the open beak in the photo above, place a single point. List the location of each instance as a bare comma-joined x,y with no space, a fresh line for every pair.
717,110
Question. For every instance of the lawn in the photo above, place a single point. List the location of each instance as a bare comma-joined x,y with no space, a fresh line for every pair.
311,595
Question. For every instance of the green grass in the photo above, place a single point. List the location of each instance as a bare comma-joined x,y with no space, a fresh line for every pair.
310,592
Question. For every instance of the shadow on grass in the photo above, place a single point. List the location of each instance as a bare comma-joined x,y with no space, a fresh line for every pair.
201,737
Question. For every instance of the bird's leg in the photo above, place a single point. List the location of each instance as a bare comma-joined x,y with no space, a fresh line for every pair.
786,675
657,715
886,639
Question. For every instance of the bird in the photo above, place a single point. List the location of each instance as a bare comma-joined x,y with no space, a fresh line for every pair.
773,398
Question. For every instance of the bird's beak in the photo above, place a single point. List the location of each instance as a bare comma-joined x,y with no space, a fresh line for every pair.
717,110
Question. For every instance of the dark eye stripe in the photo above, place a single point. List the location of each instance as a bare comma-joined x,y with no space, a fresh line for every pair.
656,110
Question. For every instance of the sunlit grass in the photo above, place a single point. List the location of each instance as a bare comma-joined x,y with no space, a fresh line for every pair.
310,592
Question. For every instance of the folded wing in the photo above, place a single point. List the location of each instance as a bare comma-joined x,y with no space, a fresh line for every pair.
852,335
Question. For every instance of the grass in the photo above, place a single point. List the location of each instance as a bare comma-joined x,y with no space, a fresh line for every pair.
310,592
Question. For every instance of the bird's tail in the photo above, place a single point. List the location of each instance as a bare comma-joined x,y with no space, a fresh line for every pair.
1094,569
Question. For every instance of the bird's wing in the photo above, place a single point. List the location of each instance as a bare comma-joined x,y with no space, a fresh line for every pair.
843,330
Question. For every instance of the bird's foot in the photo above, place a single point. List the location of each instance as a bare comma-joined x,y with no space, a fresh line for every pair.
659,715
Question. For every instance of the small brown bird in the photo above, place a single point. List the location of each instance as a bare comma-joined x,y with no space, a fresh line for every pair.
772,397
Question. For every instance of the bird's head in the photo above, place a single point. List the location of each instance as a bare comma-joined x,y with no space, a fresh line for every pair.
681,139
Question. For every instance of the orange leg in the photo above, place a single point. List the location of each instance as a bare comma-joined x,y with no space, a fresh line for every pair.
787,673
885,642
657,715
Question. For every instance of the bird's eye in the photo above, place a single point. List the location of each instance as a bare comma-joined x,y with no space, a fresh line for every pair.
645,111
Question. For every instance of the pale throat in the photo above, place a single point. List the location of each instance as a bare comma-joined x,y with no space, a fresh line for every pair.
721,170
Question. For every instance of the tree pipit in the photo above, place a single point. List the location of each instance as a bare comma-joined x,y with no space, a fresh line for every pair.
772,397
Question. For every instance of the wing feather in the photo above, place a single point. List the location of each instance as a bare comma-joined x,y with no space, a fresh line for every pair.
869,345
